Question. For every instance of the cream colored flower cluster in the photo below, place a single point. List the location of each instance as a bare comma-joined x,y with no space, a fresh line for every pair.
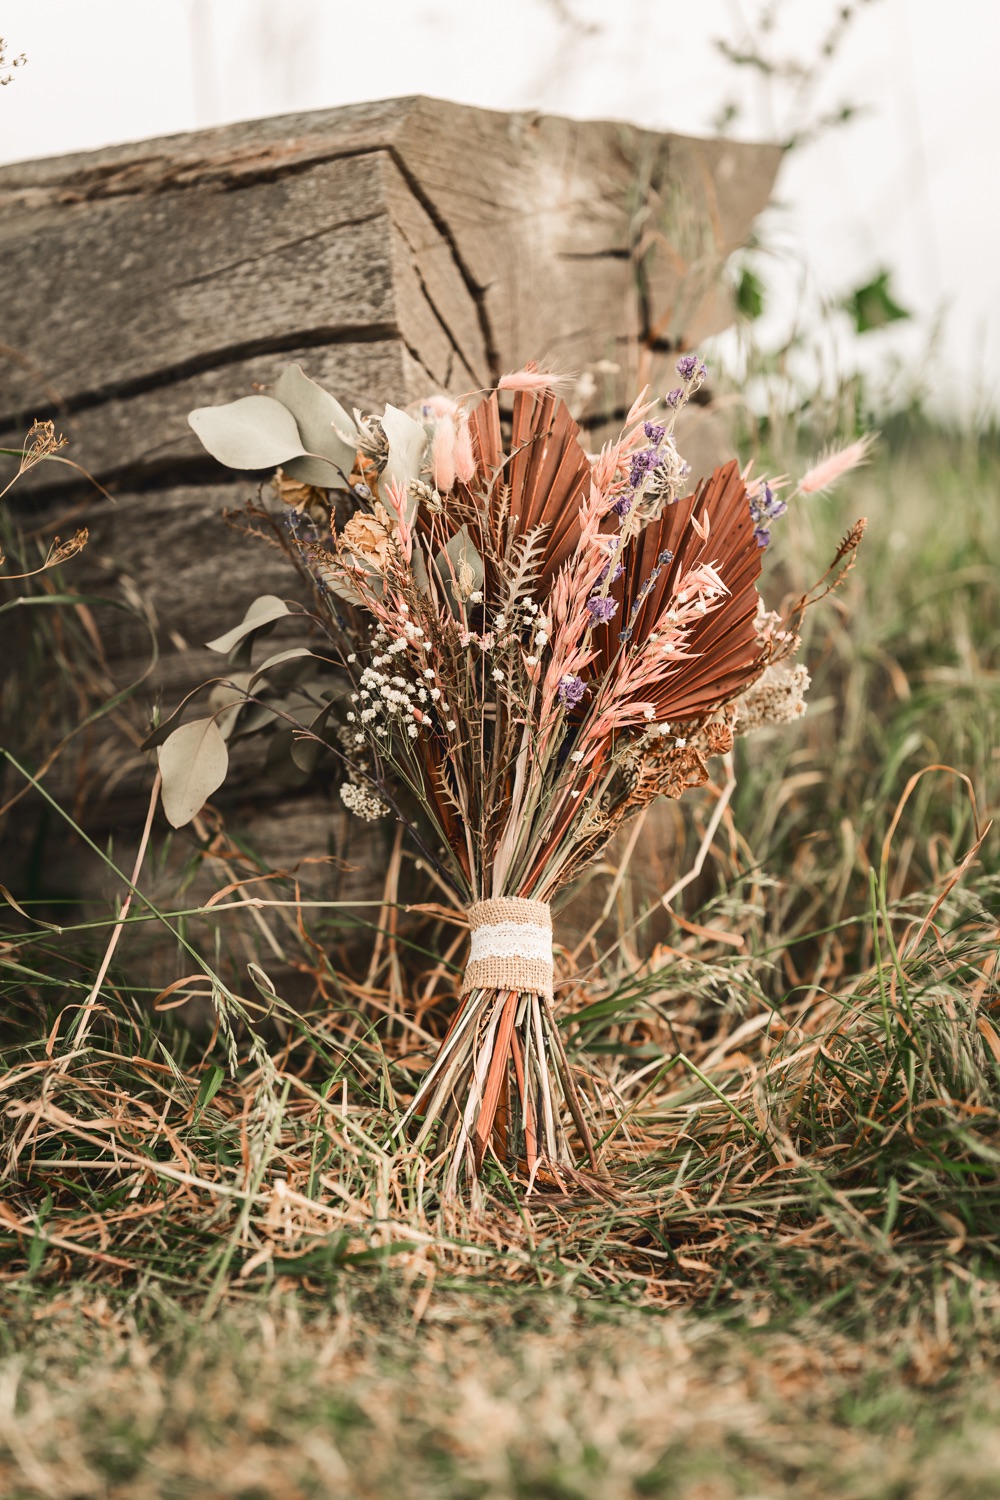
362,802
777,697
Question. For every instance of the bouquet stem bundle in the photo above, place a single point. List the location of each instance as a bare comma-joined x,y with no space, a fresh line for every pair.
537,642
505,1026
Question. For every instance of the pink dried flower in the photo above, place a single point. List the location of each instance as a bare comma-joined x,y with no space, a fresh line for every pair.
436,406
702,581
834,466
465,459
529,380
443,453
396,495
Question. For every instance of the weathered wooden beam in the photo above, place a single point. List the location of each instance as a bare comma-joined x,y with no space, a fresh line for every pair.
392,249
471,239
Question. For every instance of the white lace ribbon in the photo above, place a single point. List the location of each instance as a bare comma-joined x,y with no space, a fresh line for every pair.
511,940
511,946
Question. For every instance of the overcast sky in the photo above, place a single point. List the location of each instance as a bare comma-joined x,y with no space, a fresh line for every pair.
908,185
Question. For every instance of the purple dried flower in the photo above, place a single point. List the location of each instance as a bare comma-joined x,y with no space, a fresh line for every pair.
666,556
602,609
765,507
623,504
619,570
762,536
570,690
654,432
674,398
642,462
687,365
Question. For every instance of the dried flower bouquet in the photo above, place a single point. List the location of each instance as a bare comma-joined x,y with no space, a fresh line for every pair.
534,643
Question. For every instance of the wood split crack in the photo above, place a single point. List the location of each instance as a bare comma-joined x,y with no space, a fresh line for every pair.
210,359
280,248
476,292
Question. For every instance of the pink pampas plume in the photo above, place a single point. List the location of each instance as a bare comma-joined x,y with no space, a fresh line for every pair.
529,379
443,453
465,459
435,406
825,473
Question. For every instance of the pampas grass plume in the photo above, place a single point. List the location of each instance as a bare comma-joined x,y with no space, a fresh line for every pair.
825,473
443,453
529,380
465,459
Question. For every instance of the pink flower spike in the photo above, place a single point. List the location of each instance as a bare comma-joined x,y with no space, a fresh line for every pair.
396,495
529,380
702,527
443,453
465,459
436,406
825,473
640,407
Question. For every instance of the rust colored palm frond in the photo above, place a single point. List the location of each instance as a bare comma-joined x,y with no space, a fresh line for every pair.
712,526
542,479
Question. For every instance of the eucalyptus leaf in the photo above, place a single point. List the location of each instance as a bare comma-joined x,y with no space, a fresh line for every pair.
339,585
258,716
226,699
193,764
419,569
263,611
320,420
306,752
163,731
407,440
279,767
292,654
255,432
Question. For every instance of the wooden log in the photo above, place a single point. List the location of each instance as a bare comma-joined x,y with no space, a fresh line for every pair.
392,249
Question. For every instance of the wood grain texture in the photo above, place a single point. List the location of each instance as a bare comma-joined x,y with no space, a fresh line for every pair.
390,248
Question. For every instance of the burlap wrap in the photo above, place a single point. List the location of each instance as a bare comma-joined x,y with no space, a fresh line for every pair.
511,946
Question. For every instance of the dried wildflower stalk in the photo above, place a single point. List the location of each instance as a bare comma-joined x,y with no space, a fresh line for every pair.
539,643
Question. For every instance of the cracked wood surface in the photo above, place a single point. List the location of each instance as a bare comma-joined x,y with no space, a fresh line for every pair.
391,248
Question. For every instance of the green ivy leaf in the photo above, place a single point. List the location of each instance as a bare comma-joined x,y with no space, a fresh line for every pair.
749,295
873,305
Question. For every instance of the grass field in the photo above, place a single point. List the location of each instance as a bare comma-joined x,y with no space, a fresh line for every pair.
233,1282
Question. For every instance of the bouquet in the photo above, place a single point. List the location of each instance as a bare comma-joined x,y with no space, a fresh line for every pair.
528,643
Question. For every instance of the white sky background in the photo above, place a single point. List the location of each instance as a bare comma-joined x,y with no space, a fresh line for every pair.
910,185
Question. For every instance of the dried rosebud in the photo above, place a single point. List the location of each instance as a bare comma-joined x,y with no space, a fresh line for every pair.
371,538
293,493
